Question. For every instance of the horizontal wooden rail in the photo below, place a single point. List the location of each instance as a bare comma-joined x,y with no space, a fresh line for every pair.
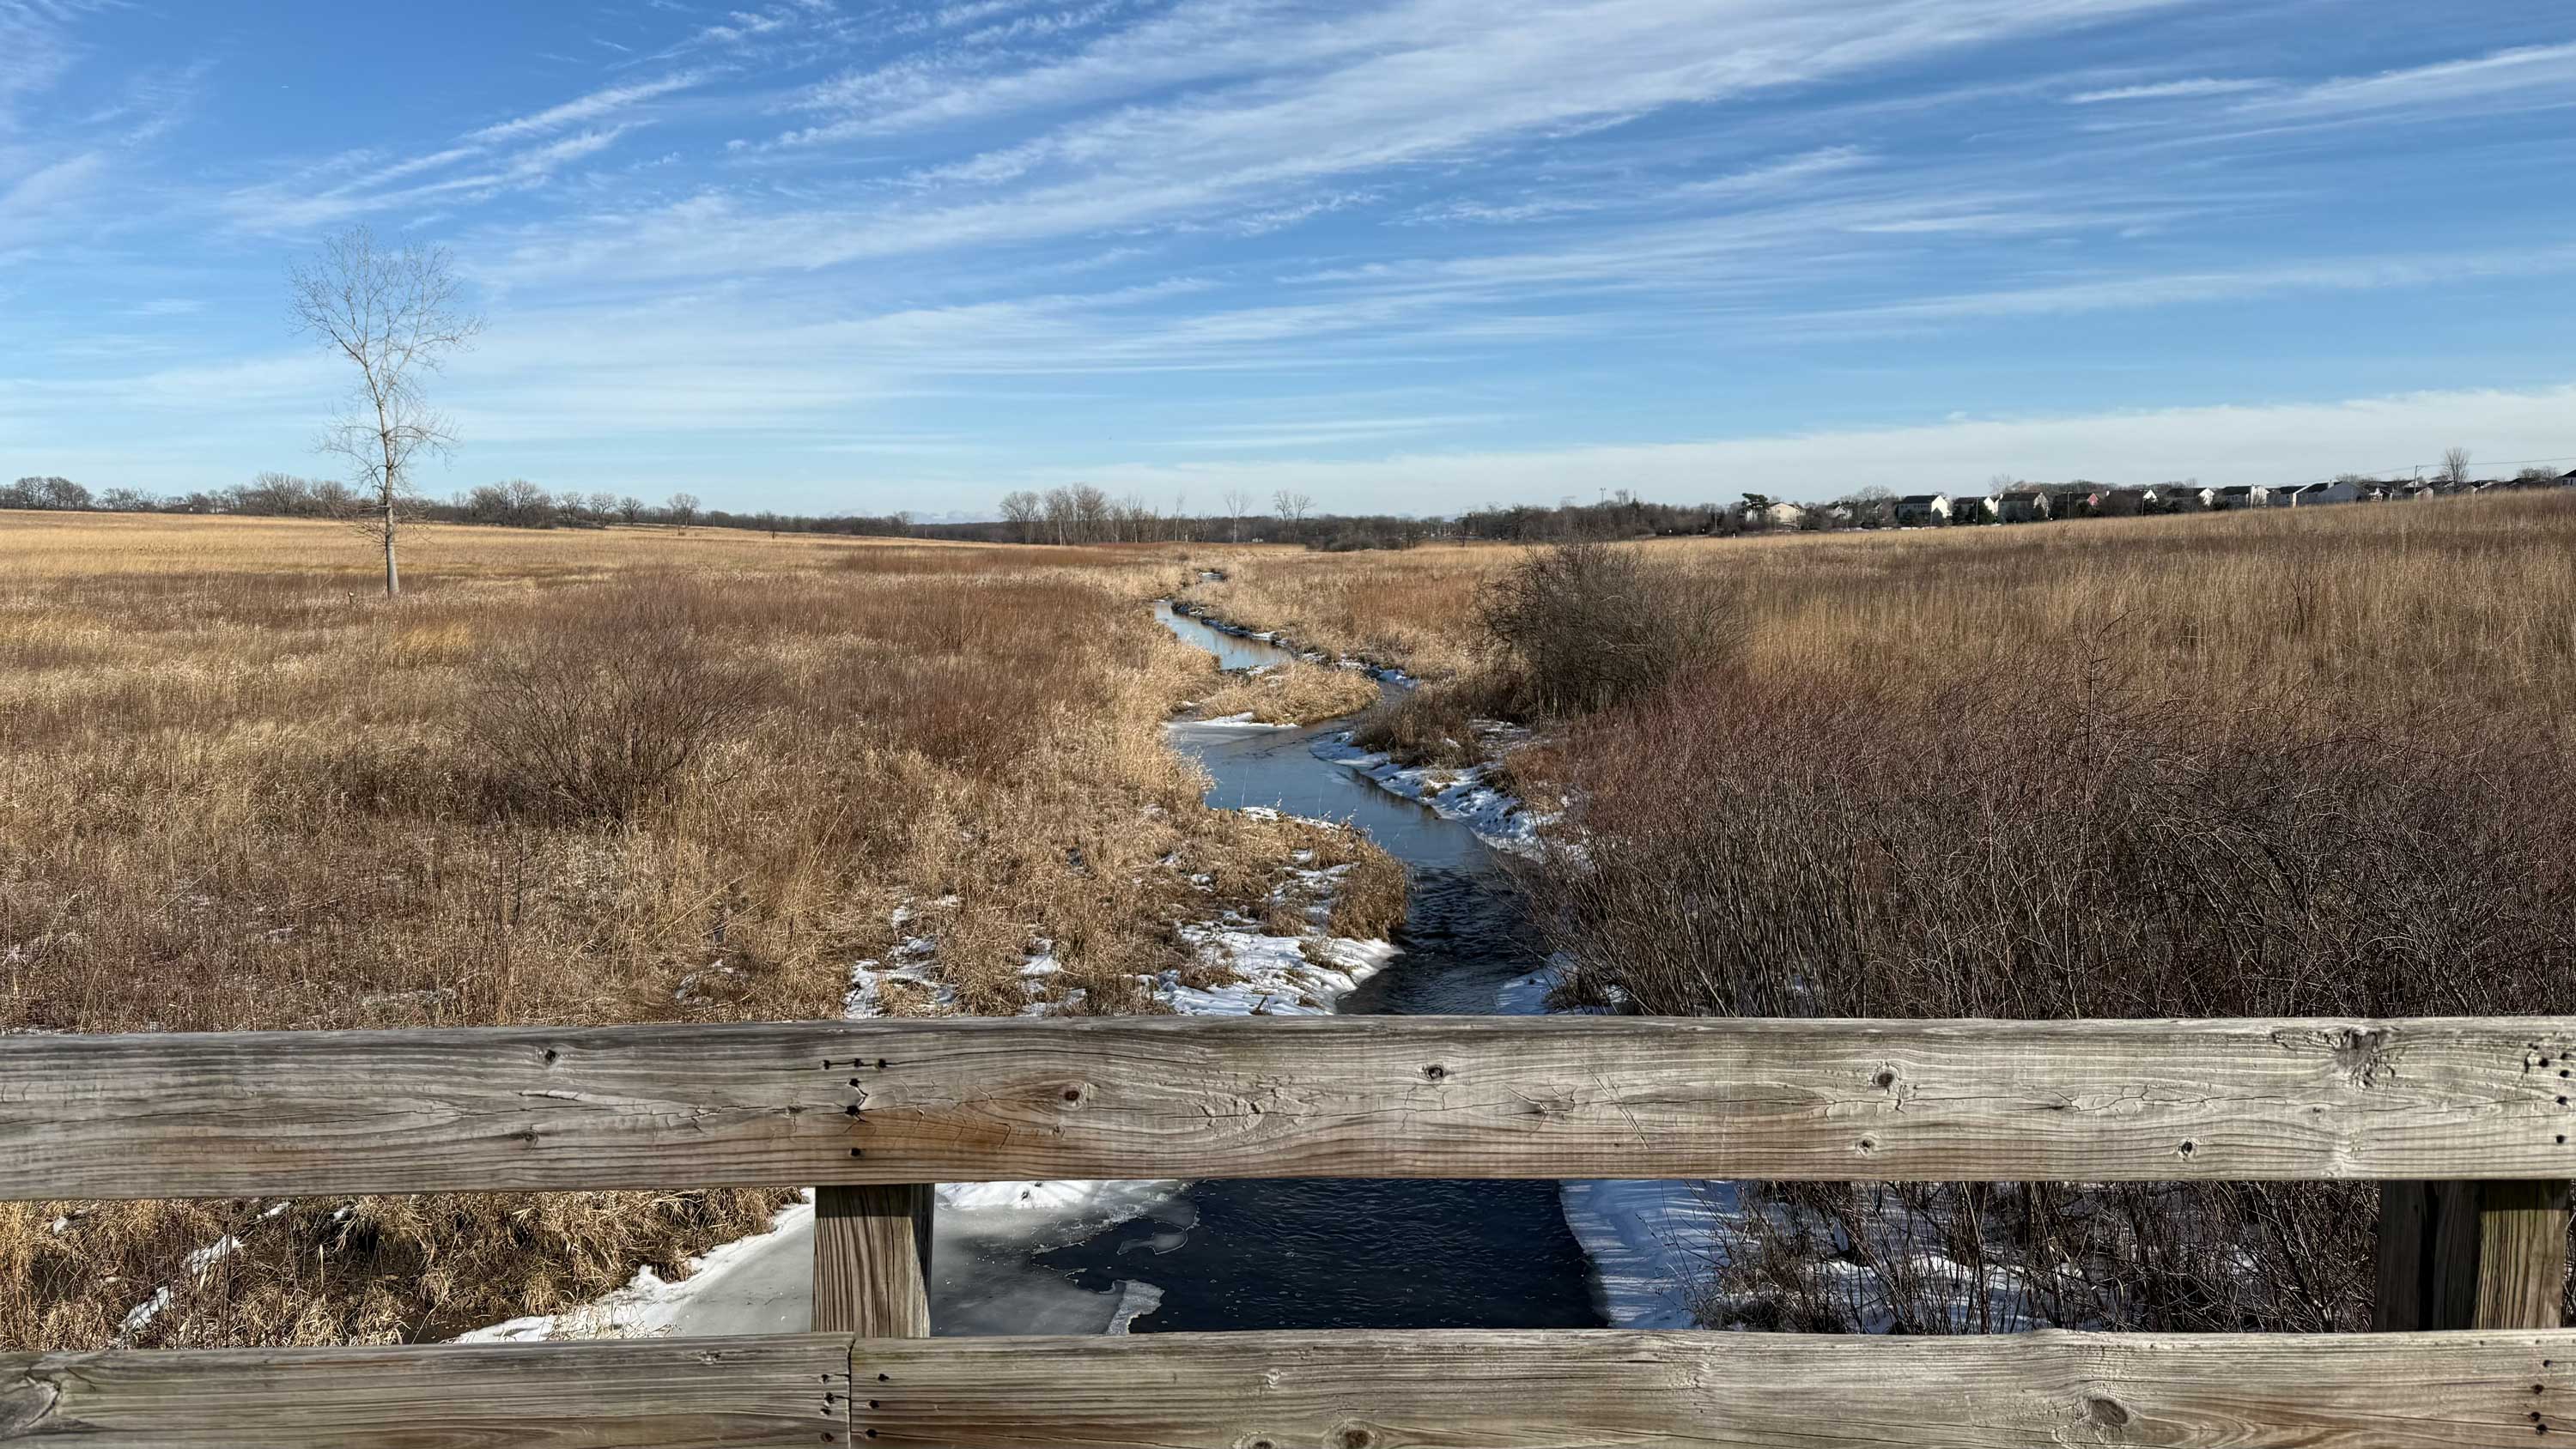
1338,1390
1542,1390
649,1394
264,1114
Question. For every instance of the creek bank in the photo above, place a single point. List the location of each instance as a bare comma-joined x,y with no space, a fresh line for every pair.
1201,614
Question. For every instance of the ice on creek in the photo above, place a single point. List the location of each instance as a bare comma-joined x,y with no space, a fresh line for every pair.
1649,1242
1497,817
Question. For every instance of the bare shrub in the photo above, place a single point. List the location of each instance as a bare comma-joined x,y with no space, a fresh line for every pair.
1594,624
603,721
2036,840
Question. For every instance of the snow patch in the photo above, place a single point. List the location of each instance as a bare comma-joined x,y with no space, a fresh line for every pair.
1499,819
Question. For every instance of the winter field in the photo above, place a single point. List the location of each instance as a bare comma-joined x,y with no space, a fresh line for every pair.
2281,764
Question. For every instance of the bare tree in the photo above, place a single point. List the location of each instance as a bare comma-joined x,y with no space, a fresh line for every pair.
1292,506
683,508
2455,466
1094,515
630,508
1024,509
1238,502
395,315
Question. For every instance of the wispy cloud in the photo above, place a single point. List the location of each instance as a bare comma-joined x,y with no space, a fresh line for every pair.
2505,77
2171,90
2164,289
592,107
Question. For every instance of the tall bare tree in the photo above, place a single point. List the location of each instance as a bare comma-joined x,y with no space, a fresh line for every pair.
2455,466
683,508
1292,505
1023,508
395,315
1238,502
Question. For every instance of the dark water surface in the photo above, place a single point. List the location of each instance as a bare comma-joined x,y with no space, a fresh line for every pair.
1336,1254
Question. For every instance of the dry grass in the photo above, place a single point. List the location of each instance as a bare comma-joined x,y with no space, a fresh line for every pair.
2459,601
1412,610
2310,763
1294,693
610,776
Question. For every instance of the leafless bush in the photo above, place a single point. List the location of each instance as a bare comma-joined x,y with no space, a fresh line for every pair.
2028,840
600,722
1593,625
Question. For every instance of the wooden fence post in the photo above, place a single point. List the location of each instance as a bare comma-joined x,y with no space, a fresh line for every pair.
872,1260
2471,1255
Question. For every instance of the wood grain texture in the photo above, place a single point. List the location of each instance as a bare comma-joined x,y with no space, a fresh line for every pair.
2522,1255
872,1259
1543,1390
838,1103
2471,1255
661,1394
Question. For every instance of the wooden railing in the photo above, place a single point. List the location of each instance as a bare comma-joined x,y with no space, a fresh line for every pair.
2466,1123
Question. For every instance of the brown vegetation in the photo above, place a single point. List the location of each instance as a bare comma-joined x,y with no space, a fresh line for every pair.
2298,763
621,775
1294,693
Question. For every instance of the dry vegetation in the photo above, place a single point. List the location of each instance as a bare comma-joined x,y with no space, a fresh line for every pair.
1289,694
2283,763
613,776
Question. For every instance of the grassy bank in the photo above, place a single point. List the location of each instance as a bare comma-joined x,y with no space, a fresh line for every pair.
606,776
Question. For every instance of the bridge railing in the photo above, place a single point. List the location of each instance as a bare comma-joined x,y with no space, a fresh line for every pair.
2466,1123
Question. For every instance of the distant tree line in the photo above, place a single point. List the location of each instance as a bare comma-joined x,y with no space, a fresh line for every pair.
513,503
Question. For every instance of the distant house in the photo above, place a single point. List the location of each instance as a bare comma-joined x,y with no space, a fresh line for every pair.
2179,497
2567,479
1975,508
2240,495
2339,491
2119,502
1918,509
2022,505
1783,515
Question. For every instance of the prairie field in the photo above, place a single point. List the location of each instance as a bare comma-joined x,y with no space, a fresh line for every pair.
572,777
2460,600
2311,763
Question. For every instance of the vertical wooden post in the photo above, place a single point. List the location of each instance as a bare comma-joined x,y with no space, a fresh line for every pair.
872,1260
2471,1255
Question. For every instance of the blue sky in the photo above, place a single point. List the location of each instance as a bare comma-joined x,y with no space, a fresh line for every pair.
828,255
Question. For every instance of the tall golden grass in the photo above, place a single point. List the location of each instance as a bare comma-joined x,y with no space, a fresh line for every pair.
2468,599
241,791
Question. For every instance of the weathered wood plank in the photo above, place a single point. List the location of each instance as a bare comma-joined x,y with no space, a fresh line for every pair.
872,1259
2471,1255
840,1103
1543,1390
660,1394
2522,1255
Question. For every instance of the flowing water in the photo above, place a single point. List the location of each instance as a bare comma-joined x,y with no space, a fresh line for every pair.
1329,1254
1251,1255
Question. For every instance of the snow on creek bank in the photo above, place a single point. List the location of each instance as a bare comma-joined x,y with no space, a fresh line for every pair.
1464,795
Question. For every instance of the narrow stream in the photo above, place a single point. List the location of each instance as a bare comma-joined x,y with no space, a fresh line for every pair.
1364,1254
1147,1257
